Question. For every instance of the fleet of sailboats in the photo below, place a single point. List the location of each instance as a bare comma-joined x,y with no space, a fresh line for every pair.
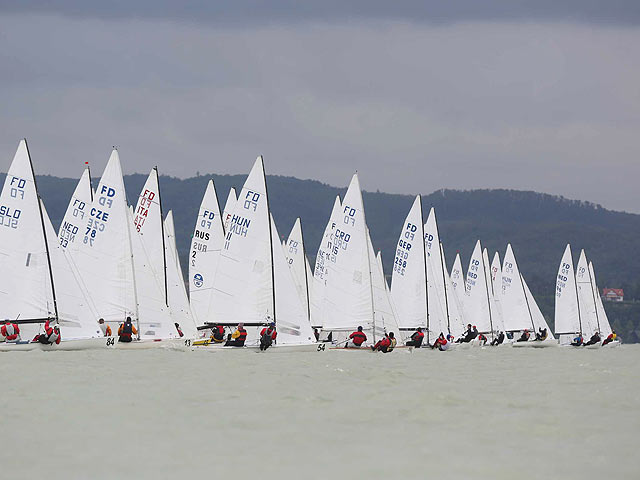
111,261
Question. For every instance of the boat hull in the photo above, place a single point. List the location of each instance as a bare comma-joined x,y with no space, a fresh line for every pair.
148,344
303,347
65,345
535,344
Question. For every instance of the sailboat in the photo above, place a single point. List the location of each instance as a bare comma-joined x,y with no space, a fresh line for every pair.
454,306
586,298
40,283
298,263
477,304
495,277
438,314
253,283
567,317
76,215
206,246
603,320
325,256
519,308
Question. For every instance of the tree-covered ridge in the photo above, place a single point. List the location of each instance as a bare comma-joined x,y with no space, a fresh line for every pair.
538,226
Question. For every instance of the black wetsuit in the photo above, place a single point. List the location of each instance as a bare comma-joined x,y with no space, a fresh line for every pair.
595,338
498,340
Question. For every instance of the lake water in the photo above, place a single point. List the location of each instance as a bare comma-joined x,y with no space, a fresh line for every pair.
484,413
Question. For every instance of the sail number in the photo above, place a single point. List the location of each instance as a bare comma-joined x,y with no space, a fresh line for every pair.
111,341
321,347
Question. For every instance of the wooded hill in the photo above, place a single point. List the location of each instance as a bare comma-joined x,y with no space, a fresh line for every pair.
538,226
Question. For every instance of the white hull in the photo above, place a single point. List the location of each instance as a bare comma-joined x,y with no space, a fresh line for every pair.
615,343
535,344
65,345
147,344
303,347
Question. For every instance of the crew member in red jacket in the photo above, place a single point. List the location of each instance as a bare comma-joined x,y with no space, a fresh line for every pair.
10,331
416,339
217,334
50,336
441,343
386,344
357,339
268,336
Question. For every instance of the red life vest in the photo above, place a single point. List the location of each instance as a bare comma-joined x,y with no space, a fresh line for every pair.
53,337
443,341
219,330
358,338
385,342
418,335
243,334
10,331
269,331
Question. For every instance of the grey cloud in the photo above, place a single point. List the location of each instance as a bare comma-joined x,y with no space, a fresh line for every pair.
414,108
259,11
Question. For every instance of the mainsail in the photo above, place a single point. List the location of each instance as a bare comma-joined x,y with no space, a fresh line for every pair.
75,218
297,261
477,309
567,312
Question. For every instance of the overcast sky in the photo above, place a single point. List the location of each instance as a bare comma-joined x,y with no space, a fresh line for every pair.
416,95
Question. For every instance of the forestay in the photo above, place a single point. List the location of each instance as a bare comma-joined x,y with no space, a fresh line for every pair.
206,245
567,313
75,218
409,276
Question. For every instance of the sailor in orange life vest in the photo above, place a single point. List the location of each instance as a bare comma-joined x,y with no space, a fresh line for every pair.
217,334
386,344
268,336
441,343
357,339
238,337
126,331
179,329
50,336
106,329
416,338
10,331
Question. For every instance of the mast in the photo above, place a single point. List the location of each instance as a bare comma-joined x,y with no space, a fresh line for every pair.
44,234
164,249
426,275
486,286
577,298
273,275
306,279
593,293
373,311
90,186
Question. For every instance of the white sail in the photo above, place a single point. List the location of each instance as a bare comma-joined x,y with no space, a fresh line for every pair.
297,261
476,303
243,284
586,299
496,294
179,306
206,245
292,321
457,279
457,324
409,276
348,298
437,320
567,313
536,315
517,315
326,255
603,320
229,206
75,218
76,316
385,318
25,285
104,254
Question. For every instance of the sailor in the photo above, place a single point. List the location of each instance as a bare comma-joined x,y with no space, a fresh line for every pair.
470,334
10,331
466,334
50,336
357,339
482,338
126,331
541,335
498,340
386,344
578,341
525,336
610,338
595,338
316,334
237,338
106,329
441,343
450,337
217,334
268,336
416,338
179,329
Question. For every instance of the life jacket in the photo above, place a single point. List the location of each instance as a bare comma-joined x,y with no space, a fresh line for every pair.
392,344
418,336
358,338
243,334
127,330
443,341
10,331
53,336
